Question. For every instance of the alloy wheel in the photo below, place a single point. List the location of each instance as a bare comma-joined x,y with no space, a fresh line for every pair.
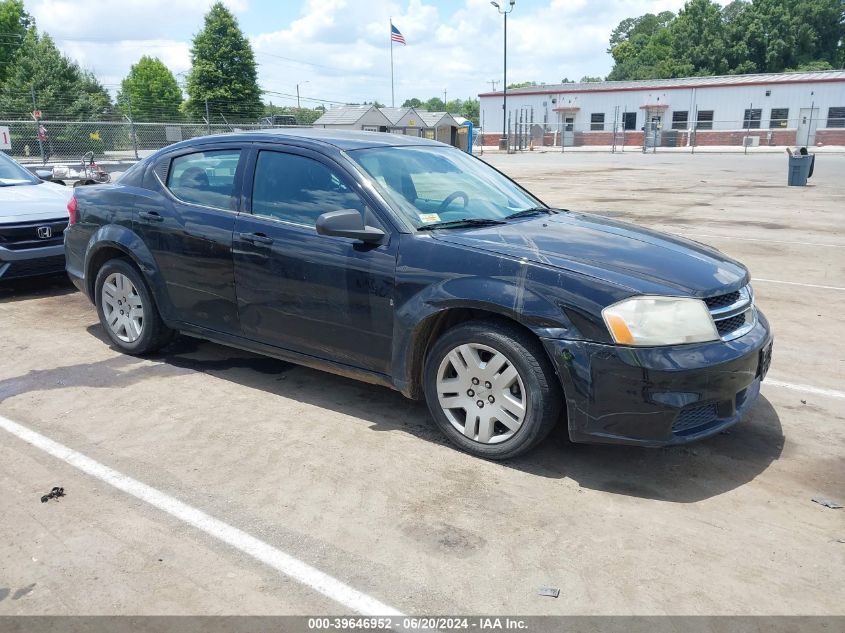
481,393
123,308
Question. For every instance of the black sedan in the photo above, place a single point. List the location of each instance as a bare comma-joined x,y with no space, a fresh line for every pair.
410,264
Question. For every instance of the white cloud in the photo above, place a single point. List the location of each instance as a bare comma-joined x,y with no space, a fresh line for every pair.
346,42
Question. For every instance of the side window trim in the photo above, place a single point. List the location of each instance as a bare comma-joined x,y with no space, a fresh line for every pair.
237,184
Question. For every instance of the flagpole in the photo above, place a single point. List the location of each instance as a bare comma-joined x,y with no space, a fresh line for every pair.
392,93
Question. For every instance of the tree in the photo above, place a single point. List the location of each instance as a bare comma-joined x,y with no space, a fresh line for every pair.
150,91
14,22
412,103
470,110
435,104
223,70
524,84
744,36
63,90
303,116
589,79
698,38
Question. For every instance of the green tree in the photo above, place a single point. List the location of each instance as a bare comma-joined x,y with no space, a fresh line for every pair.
642,48
590,79
744,36
470,110
780,34
412,103
524,84
63,90
223,70
454,106
150,91
14,22
435,104
698,40
303,116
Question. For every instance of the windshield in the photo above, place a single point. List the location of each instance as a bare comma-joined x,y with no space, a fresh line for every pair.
13,174
437,185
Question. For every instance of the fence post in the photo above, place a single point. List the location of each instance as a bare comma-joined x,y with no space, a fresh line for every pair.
747,128
37,128
132,125
207,117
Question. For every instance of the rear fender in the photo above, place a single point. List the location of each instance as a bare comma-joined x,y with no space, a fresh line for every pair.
125,240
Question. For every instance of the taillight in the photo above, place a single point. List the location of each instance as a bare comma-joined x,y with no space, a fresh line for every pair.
71,210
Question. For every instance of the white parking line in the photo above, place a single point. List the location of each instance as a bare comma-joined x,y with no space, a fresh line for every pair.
756,239
818,391
240,540
795,283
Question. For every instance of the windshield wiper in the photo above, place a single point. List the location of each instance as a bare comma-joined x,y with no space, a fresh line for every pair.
529,212
456,224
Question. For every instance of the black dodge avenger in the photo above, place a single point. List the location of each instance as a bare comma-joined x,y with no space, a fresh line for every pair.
410,264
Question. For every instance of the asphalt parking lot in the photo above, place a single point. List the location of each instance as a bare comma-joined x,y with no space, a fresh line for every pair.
355,481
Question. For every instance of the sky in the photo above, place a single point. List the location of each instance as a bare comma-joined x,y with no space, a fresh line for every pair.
339,50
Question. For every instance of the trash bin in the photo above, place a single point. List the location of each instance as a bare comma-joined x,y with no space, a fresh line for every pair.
799,169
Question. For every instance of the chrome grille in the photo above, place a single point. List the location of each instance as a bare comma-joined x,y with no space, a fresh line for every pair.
721,301
732,312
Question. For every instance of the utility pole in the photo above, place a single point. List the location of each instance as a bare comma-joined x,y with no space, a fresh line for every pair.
493,83
444,98
298,107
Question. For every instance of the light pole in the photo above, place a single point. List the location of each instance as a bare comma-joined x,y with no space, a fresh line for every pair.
504,10
297,93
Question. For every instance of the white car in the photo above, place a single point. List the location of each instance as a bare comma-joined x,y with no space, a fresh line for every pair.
33,217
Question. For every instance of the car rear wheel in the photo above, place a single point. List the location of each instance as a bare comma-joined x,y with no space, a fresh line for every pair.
127,310
491,389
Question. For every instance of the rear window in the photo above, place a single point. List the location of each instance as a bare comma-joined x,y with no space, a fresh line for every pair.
205,178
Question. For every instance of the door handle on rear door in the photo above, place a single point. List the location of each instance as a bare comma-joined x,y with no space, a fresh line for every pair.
256,238
152,216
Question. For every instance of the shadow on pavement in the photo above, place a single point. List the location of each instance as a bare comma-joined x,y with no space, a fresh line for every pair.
35,288
684,474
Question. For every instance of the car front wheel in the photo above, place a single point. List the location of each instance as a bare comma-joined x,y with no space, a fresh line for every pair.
491,389
127,310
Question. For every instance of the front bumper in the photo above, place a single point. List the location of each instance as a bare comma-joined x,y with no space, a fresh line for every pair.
30,262
663,395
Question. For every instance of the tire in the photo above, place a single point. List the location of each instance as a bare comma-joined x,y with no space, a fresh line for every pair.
140,330
503,367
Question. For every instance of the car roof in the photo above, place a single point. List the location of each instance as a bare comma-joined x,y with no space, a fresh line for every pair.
342,139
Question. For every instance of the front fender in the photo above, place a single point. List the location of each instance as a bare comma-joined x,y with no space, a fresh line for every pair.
125,240
511,300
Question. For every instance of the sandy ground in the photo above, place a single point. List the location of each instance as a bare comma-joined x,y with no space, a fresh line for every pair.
354,479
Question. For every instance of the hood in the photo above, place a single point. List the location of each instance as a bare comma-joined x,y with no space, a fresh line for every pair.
31,203
642,260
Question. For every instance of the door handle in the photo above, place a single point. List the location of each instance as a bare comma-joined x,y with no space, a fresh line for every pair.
151,216
256,238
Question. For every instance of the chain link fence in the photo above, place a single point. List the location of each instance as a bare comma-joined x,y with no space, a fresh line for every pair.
52,142
619,132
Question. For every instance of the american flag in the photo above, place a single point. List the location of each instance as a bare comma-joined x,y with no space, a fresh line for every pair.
396,36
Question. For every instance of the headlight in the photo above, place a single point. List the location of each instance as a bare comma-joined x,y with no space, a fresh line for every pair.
660,321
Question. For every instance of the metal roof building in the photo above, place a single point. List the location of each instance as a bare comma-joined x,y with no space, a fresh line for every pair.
805,108
368,118
405,120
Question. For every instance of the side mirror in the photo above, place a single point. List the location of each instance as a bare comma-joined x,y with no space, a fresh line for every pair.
347,223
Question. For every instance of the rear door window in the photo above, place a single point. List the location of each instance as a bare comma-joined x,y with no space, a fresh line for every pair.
205,178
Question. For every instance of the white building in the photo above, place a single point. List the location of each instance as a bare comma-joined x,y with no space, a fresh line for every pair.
806,108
